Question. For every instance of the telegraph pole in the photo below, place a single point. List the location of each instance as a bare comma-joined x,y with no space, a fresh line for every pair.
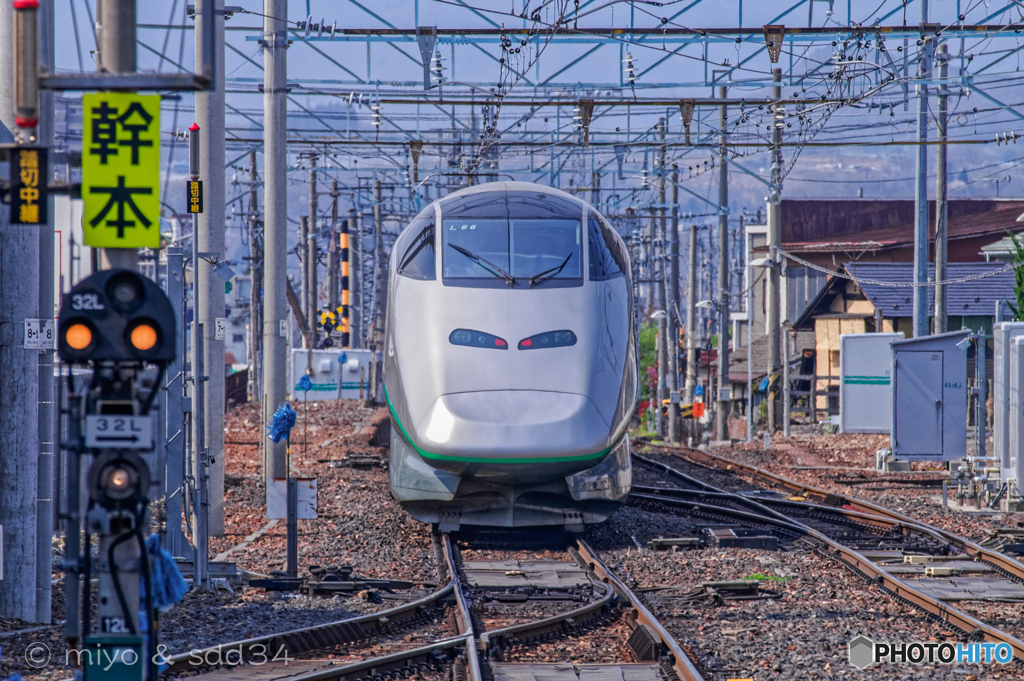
941,205
662,271
275,226
774,242
721,431
332,253
673,312
19,376
210,117
921,189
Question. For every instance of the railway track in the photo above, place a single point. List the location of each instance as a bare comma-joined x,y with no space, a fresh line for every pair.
580,597
926,567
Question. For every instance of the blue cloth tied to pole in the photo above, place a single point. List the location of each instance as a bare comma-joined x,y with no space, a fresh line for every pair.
281,423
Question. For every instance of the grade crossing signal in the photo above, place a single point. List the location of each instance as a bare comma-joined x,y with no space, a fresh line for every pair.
116,315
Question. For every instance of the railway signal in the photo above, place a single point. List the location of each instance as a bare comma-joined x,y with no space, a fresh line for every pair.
122,325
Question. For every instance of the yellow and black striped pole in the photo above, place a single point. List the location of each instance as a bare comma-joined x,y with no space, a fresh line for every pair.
343,242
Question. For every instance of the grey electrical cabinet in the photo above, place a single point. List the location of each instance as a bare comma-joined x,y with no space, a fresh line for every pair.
1003,335
929,400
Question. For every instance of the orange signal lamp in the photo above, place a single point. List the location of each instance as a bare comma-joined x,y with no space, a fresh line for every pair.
143,337
78,336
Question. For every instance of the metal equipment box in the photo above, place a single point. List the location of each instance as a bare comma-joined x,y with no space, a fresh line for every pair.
333,374
1003,334
739,538
1015,428
929,401
865,382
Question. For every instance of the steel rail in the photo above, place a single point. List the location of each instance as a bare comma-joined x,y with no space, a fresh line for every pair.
445,650
308,639
898,587
681,662
999,560
555,623
861,564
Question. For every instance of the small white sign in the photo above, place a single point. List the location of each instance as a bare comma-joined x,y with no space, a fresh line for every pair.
220,328
283,328
277,499
119,432
40,334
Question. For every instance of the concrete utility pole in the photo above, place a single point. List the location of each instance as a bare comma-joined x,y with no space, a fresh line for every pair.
941,205
47,404
19,376
721,431
256,285
313,251
673,312
115,36
662,271
210,117
275,225
774,242
332,253
691,318
921,190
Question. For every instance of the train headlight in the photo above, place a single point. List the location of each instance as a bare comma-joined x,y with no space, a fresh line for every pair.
477,339
550,339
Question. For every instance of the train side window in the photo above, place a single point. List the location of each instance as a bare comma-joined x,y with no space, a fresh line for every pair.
416,248
607,260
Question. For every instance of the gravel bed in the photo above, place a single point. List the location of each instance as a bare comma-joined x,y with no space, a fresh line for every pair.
803,634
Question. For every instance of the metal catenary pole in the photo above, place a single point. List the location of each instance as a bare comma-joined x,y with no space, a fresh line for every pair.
303,250
210,117
313,252
256,285
19,376
691,317
774,242
921,191
721,432
941,204
355,274
673,312
201,504
380,283
332,253
275,229
174,386
661,305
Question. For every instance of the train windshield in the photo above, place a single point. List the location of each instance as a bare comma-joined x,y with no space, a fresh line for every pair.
521,253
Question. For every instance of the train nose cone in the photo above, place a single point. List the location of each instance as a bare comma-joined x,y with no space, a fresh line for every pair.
508,426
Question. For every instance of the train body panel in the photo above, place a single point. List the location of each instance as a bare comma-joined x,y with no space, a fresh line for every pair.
510,373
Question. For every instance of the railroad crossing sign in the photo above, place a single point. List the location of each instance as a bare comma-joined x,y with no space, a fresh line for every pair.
121,170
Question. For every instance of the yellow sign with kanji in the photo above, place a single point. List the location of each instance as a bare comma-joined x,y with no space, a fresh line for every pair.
121,170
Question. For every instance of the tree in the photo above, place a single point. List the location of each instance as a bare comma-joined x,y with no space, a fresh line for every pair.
1018,278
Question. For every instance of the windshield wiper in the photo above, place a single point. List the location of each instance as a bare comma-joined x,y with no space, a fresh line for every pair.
497,271
547,274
